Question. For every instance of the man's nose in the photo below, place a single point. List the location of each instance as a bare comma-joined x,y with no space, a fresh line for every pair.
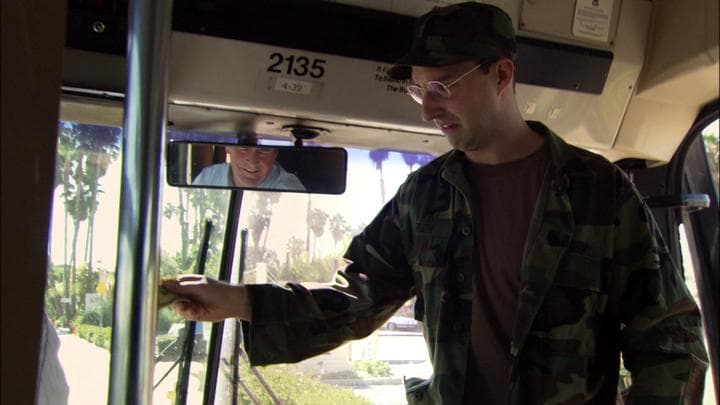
253,156
430,108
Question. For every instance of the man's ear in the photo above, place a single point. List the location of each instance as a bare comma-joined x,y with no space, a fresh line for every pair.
505,74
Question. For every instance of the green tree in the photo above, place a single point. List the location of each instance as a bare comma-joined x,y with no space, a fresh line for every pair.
194,206
212,205
308,211
181,213
378,156
338,228
295,246
267,201
258,223
316,222
309,270
54,293
84,154
87,281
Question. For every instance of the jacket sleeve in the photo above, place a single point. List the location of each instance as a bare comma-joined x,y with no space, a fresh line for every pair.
662,337
293,322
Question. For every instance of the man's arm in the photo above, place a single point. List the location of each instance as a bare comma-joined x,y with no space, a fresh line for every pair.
661,336
208,300
295,321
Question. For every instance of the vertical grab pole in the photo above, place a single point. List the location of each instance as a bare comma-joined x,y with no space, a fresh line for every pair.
135,310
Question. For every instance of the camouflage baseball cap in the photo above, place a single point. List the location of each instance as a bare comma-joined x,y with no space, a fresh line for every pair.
457,33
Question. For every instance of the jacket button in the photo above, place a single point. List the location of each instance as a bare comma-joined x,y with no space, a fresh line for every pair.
460,277
465,230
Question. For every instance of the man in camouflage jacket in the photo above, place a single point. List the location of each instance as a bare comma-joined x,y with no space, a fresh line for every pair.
595,279
592,245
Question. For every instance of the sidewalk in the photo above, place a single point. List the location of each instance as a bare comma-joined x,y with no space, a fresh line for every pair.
87,371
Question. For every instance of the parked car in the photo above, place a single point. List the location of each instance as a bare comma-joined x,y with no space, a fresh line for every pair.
401,323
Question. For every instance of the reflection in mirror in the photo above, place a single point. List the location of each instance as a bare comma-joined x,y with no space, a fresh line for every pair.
262,167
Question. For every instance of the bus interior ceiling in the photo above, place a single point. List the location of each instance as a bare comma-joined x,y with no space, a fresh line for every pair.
630,88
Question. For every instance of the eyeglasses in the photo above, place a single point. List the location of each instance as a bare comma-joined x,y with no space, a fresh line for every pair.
437,89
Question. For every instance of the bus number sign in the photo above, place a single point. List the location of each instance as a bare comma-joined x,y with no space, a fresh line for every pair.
295,65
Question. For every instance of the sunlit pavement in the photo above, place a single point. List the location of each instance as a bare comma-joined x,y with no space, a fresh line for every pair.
383,394
87,371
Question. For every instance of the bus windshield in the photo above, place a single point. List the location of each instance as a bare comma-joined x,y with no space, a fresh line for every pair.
291,237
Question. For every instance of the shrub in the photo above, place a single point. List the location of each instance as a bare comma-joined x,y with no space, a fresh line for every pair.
95,317
374,368
340,375
167,317
292,386
90,318
99,336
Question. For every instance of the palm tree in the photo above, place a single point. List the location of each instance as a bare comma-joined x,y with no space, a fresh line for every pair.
294,246
181,211
308,212
85,152
259,223
208,205
205,205
103,149
338,228
266,201
378,156
316,222
410,159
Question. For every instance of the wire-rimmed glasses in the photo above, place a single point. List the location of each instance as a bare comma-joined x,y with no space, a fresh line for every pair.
435,88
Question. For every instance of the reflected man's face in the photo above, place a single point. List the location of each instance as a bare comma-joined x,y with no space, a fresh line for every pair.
250,165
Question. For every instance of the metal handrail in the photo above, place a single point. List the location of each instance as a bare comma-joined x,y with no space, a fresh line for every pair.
137,268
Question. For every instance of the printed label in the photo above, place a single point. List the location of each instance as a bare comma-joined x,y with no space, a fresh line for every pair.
293,86
391,85
592,19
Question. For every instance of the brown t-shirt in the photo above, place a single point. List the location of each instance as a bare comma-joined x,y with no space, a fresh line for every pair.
503,200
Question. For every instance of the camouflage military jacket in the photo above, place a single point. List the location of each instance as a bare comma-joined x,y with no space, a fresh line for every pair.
595,282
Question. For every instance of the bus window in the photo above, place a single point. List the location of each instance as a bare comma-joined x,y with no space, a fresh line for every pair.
83,247
301,238
710,138
185,215
691,281
291,237
79,297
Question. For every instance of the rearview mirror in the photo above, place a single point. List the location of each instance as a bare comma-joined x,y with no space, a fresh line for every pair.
256,167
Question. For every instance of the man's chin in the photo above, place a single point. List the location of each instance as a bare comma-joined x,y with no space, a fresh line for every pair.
455,141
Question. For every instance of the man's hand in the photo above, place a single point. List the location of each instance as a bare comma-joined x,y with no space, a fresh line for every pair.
208,300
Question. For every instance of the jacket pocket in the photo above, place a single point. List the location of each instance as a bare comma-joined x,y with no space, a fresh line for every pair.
416,391
568,320
429,251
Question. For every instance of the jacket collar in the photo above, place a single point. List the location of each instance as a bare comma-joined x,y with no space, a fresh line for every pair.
564,159
551,229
